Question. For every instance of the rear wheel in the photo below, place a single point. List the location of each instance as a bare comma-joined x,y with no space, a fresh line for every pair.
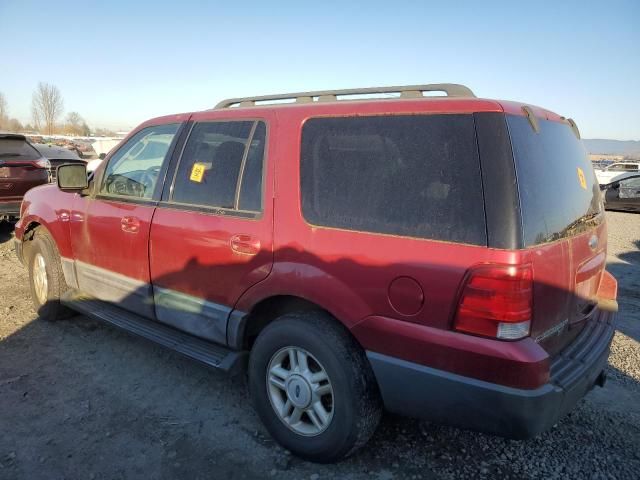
313,387
45,276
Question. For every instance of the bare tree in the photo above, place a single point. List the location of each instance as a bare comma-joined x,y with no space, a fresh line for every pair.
4,111
74,124
46,107
14,125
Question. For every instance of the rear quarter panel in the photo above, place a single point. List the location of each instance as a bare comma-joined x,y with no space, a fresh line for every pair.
349,273
21,180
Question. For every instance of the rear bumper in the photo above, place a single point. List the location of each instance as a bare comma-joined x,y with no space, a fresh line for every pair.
423,392
11,209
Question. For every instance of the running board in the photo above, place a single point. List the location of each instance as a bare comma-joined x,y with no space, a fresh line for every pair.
208,353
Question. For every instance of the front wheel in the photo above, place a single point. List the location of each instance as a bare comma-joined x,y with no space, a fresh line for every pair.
45,276
313,387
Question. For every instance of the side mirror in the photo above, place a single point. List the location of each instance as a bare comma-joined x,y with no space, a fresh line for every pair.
72,177
102,156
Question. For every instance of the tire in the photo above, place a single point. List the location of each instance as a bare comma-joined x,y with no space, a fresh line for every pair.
350,406
43,259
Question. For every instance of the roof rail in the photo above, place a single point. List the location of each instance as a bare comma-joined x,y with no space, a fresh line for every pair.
408,91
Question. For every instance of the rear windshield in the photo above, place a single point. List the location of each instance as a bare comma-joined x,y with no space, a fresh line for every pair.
410,175
558,188
15,148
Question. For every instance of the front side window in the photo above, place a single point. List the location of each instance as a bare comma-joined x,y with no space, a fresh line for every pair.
410,175
134,169
221,166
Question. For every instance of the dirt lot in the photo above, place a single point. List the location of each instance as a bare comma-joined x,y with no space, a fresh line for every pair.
81,400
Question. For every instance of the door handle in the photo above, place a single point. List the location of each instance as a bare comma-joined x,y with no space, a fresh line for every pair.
130,224
245,244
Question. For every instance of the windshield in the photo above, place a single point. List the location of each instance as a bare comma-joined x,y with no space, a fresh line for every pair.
559,192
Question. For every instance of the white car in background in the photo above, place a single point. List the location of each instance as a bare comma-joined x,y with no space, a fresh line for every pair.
617,171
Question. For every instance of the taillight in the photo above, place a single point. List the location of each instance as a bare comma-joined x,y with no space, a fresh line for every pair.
39,163
496,301
42,163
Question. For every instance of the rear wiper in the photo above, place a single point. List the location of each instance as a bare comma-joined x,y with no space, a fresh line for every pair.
12,155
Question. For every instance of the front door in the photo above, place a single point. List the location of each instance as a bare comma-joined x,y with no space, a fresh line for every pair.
110,228
211,237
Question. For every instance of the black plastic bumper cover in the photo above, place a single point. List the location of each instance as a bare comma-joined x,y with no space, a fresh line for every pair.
10,208
423,392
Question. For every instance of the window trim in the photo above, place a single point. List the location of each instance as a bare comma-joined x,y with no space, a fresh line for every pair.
157,191
243,163
169,202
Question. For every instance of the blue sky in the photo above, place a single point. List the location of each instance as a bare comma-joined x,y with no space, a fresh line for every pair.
118,63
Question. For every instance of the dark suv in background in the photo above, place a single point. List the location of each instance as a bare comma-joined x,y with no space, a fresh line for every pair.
22,167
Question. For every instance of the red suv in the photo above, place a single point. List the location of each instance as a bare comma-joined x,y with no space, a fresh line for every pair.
21,167
443,257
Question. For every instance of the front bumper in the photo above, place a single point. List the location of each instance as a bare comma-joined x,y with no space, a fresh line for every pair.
423,392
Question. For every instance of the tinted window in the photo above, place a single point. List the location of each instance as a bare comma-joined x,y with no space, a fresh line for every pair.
133,170
16,148
405,175
219,168
556,181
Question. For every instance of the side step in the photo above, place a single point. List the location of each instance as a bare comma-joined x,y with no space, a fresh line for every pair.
208,353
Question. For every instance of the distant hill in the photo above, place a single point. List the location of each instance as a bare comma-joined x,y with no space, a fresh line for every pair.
612,147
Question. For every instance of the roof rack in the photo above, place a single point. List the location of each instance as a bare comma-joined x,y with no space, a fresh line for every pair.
408,91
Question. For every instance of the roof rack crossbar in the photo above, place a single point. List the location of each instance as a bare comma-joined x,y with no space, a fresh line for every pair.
409,91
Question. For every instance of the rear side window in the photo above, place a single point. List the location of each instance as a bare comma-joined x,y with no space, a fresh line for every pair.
12,148
221,166
556,182
412,175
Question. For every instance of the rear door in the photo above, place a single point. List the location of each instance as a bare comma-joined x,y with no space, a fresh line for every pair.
212,235
110,228
563,226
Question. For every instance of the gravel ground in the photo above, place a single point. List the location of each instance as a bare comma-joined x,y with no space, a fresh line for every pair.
81,400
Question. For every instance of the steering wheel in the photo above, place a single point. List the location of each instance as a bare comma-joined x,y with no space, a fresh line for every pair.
148,179
118,185
121,185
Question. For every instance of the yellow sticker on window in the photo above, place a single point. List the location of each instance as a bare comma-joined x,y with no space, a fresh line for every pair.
582,178
197,172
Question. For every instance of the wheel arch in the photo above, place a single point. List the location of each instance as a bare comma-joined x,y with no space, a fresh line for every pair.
266,311
27,236
269,309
